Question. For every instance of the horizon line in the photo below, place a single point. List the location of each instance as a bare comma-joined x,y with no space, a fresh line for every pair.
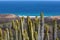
35,0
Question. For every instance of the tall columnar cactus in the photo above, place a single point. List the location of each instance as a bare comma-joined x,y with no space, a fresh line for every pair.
41,28
15,27
13,24
19,31
28,25
35,35
36,23
47,32
46,37
39,37
16,32
5,35
17,23
31,31
22,26
27,38
26,35
1,35
33,24
54,29
28,19
7,30
11,34
22,21
19,34
57,38
23,34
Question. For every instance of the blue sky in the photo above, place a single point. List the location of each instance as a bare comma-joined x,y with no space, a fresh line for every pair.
29,0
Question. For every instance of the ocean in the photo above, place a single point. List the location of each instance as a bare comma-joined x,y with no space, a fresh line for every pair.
30,8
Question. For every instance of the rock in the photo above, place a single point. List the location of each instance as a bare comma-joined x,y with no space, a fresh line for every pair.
55,17
7,17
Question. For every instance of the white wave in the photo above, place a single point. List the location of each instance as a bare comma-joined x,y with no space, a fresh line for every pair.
30,16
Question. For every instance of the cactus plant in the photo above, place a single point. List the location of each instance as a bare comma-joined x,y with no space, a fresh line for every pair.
54,29
36,35
1,35
21,25
36,23
57,38
5,35
41,28
11,34
16,33
26,35
46,36
31,31
7,30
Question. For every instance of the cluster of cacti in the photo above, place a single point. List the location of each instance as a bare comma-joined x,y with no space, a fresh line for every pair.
34,30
